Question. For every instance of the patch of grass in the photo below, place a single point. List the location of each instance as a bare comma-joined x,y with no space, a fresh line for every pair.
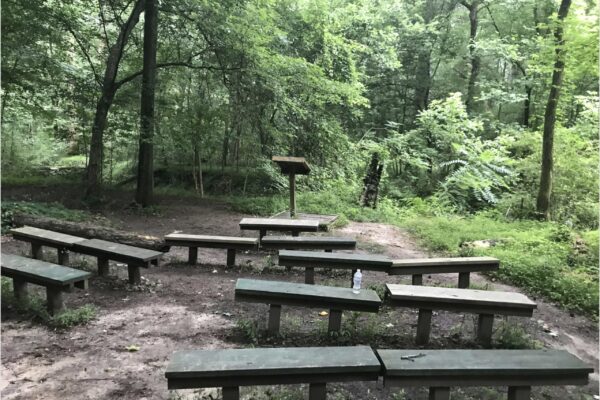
533,255
48,210
249,329
509,336
34,307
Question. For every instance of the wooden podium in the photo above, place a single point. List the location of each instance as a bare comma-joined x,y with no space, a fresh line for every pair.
292,166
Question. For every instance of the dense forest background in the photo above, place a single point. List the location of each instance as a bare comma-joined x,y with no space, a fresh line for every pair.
453,97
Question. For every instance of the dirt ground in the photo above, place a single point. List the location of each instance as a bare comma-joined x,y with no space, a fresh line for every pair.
185,307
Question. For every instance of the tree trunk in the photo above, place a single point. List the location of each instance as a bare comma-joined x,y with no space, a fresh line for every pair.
543,199
527,107
145,182
91,231
371,182
473,56
109,88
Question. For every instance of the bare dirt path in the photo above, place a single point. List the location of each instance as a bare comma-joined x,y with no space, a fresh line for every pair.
184,307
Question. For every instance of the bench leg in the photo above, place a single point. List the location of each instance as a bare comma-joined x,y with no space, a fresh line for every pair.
295,233
317,391
20,289
134,274
464,280
423,326
54,300
335,320
274,317
262,233
484,329
36,251
102,266
309,275
519,392
439,393
193,255
417,279
83,285
230,257
328,250
63,256
231,393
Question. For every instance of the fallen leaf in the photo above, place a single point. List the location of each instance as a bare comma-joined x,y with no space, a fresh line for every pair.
323,313
132,348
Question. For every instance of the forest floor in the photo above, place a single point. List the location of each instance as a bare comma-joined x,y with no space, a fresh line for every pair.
184,307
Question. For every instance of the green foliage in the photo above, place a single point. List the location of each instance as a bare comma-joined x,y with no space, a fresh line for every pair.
48,210
510,336
532,256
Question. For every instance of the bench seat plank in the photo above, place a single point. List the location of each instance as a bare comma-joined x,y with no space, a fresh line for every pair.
218,242
116,251
40,272
267,366
467,300
274,224
443,265
49,238
317,259
308,242
301,294
482,368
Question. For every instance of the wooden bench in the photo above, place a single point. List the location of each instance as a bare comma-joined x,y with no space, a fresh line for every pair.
463,265
282,225
327,243
134,257
230,243
232,368
482,302
42,237
517,369
277,294
55,278
314,259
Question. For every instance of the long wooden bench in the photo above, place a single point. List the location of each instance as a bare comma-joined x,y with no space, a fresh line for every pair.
282,225
518,369
232,368
463,265
327,243
230,243
276,294
314,259
482,302
55,278
42,237
104,251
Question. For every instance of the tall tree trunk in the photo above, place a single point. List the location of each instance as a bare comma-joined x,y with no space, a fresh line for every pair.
423,72
107,95
145,182
543,199
473,8
371,182
527,106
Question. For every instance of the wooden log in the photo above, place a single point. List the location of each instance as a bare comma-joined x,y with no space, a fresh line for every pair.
91,231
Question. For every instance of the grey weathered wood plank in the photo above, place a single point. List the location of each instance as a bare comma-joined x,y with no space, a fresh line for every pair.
49,238
232,242
272,224
292,165
458,297
334,260
443,265
301,294
273,362
481,367
307,242
40,272
115,251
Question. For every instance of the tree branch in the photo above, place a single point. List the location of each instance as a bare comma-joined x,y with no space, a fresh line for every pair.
85,52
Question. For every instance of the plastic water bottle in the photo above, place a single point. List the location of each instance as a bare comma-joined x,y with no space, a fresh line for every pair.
357,281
